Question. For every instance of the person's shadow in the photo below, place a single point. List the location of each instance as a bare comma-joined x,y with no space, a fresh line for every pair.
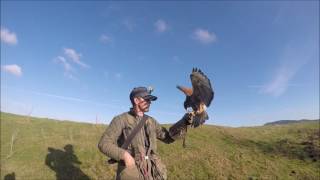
65,163
11,176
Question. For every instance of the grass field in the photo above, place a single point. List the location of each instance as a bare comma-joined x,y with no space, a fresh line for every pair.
29,147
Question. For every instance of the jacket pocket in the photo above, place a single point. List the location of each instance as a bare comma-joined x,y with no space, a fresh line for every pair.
158,169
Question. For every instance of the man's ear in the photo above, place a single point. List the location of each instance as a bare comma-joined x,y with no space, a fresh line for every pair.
136,100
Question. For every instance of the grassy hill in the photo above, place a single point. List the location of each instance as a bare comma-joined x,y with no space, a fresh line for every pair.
281,122
29,145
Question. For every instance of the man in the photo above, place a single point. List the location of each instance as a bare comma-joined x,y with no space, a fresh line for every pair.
140,161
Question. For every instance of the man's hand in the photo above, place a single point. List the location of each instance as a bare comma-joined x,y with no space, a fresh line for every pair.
128,160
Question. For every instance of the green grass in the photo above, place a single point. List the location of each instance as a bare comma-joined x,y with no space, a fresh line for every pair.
267,152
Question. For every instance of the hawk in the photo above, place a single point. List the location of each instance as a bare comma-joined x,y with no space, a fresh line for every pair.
198,97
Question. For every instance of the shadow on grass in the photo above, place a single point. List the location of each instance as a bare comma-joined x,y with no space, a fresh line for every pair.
65,163
11,176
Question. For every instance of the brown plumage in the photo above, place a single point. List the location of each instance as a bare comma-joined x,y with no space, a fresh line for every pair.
198,97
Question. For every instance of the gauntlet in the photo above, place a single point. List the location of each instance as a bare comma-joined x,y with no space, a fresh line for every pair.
179,129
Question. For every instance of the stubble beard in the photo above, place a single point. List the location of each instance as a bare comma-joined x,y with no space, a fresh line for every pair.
145,107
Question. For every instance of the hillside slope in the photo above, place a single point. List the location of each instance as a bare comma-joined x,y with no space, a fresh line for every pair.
281,122
34,148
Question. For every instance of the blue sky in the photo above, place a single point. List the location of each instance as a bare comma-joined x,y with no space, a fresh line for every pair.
79,60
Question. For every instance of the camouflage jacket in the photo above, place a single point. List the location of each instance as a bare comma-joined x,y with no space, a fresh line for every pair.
147,161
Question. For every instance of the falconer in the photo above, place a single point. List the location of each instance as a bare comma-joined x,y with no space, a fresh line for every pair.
139,160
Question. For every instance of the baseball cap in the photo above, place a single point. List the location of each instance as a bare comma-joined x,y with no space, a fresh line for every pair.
143,92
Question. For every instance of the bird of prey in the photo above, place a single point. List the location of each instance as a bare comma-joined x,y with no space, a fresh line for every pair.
199,97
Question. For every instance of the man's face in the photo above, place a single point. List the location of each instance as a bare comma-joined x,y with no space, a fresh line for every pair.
143,104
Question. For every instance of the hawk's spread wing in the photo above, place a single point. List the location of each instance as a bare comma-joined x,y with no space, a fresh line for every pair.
198,98
202,89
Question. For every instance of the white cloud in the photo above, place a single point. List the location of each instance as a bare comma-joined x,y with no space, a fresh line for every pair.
71,53
161,25
75,57
279,84
204,36
129,24
61,97
13,69
281,80
8,37
292,60
112,76
118,75
176,59
68,69
104,38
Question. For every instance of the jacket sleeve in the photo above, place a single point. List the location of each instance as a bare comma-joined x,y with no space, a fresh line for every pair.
108,142
163,134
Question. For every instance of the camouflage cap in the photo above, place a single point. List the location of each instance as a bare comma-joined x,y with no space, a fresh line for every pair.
143,92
